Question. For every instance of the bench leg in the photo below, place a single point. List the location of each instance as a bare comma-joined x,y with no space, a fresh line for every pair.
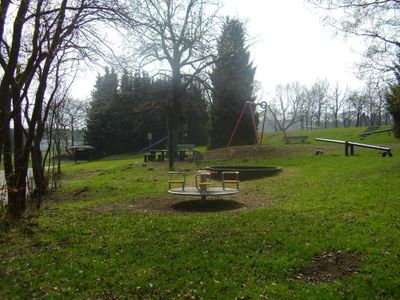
387,153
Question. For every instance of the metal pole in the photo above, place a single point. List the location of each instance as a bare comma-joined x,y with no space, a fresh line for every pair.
263,124
252,117
236,127
149,137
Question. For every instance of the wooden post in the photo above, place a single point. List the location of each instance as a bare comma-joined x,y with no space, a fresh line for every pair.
346,148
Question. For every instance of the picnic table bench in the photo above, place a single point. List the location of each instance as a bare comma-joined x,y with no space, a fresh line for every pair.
185,146
289,138
349,146
162,155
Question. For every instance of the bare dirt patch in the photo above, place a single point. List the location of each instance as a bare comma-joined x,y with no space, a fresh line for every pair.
55,198
184,205
258,151
330,266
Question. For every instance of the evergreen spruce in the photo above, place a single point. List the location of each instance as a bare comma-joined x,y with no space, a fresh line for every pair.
100,131
123,111
232,79
120,118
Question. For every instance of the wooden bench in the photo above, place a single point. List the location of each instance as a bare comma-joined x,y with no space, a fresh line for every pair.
289,138
349,146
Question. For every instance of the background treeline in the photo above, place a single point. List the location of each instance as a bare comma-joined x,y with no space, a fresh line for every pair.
326,105
125,108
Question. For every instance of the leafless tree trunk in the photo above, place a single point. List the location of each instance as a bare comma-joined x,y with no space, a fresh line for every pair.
319,96
358,103
290,99
180,33
27,51
338,98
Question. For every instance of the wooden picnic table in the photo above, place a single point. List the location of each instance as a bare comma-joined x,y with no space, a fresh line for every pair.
162,155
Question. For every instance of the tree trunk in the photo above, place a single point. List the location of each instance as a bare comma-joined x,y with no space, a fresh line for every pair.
173,125
1,149
174,114
72,133
38,170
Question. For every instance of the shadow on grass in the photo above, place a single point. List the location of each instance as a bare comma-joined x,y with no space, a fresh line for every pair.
214,205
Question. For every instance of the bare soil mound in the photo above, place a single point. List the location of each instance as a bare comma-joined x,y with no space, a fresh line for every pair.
330,266
257,151
184,205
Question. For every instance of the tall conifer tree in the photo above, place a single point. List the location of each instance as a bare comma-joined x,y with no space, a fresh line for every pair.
232,79
100,128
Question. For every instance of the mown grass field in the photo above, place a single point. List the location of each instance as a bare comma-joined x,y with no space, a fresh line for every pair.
97,242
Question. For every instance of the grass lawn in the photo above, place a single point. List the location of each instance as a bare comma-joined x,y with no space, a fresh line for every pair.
326,227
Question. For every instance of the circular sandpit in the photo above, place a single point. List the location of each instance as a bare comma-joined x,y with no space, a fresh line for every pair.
245,172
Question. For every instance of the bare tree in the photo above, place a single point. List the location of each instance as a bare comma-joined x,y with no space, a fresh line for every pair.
319,97
358,103
74,115
375,21
177,34
339,97
371,95
306,115
32,34
289,100
347,112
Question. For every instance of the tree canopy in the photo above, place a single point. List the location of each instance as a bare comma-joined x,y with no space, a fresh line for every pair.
123,111
178,34
377,22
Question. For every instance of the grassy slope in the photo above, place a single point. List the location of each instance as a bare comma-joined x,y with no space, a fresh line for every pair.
348,134
319,203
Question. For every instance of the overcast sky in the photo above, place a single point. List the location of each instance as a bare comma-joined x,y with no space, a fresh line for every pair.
288,43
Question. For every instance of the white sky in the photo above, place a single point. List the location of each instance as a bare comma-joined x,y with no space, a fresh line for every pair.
288,43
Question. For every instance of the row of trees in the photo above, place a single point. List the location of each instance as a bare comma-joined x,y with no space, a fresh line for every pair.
40,43
124,110
376,23
324,105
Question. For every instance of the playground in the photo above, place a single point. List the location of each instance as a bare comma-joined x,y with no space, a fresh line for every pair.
325,225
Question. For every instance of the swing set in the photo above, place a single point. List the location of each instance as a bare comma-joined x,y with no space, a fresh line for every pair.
252,106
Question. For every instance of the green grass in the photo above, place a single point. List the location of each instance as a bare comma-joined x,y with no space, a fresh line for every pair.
78,250
348,134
